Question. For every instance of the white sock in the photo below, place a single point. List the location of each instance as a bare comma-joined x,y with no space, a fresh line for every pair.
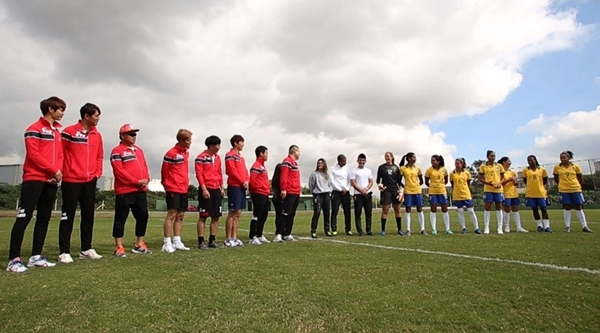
177,239
446,218
461,218
539,223
567,216
433,220
486,218
421,217
473,217
407,220
581,216
167,240
506,218
517,217
499,218
546,223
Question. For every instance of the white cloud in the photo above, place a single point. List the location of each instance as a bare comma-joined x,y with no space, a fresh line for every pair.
597,80
331,76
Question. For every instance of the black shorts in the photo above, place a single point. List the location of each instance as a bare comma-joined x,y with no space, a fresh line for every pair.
390,197
178,201
210,207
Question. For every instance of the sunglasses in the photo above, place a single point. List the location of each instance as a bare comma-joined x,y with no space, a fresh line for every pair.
131,134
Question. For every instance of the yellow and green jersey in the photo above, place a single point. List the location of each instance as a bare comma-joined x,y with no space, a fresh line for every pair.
567,178
491,173
437,180
460,185
535,182
411,179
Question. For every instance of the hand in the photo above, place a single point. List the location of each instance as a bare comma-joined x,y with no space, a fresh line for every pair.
205,194
245,185
222,193
381,187
143,183
364,192
498,185
52,181
344,191
58,176
283,194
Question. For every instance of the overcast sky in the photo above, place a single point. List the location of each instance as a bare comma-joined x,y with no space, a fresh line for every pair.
435,77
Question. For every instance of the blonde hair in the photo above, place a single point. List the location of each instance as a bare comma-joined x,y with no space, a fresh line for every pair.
183,134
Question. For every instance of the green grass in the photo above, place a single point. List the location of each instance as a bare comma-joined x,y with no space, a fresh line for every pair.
313,286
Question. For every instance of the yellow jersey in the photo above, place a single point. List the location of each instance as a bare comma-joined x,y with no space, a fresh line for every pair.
437,180
411,179
460,187
535,182
491,173
510,189
567,178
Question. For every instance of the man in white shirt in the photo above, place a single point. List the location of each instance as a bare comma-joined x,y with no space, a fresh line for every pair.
361,179
340,194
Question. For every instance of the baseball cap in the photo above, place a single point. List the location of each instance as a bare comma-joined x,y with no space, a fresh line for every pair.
127,128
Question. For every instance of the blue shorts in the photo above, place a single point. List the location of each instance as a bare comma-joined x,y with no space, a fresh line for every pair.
537,202
411,200
236,197
463,203
438,199
493,197
571,198
509,202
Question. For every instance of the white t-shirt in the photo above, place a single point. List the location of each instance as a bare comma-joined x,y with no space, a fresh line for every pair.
361,177
340,178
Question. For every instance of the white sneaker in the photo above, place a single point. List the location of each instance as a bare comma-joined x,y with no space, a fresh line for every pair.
229,242
506,230
168,248
16,266
179,246
263,239
289,238
65,258
254,241
238,242
39,261
486,231
277,239
89,254
500,232
522,230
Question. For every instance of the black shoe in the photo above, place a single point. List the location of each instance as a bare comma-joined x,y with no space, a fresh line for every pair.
202,246
360,233
213,245
369,233
349,233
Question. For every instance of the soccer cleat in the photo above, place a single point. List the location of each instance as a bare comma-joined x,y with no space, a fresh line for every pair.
464,231
334,233
254,241
433,232
16,266
369,233
168,248
328,233
313,235
548,229
289,238
486,230
349,233
263,240
400,233
382,233
277,239
65,258
587,229
423,232
500,232
89,254
39,261
238,242
180,247
522,230
540,229
213,245
567,229
120,252
449,232
407,233
229,242
478,231
141,249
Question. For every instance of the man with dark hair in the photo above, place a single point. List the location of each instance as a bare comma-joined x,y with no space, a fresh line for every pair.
84,158
290,191
259,193
41,174
131,184
237,184
340,194
175,179
361,179
210,184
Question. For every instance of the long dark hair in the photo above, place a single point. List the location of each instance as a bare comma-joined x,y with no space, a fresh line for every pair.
440,160
406,157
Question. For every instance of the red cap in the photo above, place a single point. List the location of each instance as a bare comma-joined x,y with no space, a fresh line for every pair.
127,128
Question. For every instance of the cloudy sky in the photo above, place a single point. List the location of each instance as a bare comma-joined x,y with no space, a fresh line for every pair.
435,77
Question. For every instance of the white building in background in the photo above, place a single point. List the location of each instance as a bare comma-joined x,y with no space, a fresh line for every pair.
155,186
109,184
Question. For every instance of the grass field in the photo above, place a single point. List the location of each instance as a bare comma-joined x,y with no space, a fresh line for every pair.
540,283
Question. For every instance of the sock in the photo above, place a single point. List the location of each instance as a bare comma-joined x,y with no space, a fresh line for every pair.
383,222
473,217
407,218
461,218
517,217
433,221
446,218
499,218
167,240
421,217
567,216
538,223
212,238
486,218
200,240
399,223
177,239
581,216
546,223
506,217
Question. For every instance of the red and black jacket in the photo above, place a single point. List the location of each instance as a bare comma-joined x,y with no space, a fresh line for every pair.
44,151
175,171
259,178
129,167
290,177
235,168
208,171
84,154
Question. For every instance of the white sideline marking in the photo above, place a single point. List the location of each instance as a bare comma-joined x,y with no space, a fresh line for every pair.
465,256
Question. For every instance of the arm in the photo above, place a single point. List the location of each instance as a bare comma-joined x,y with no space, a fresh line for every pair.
370,183
420,179
555,178
545,181
426,181
312,182
119,171
580,179
100,159
379,179
283,179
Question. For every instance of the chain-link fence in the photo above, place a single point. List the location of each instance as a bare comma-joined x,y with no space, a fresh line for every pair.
590,169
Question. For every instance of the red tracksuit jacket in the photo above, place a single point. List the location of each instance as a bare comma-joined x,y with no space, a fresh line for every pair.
175,176
235,168
84,154
290,176
129,167
259,178
208,171
44,149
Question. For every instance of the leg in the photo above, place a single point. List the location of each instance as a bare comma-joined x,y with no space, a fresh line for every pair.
87,202
279,220
446,218
368,213
30,194
326,207
263,214
433,218
317,207
44,213
358,205
139,209
71,192
121,213
347,214
336,200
